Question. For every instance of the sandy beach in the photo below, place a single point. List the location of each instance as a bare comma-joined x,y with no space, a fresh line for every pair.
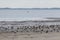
30,36
16,31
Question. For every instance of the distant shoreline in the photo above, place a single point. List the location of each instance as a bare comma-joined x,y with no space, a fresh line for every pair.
29,8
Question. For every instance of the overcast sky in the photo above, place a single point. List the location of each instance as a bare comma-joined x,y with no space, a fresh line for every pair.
30,3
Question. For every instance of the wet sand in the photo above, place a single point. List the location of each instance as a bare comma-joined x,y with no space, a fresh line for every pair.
30,36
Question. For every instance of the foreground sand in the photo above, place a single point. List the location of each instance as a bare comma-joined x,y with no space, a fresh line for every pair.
30,36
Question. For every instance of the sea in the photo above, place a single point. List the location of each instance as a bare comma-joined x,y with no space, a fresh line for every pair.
28,14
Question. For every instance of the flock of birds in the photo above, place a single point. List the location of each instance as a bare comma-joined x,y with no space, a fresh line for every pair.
39,28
